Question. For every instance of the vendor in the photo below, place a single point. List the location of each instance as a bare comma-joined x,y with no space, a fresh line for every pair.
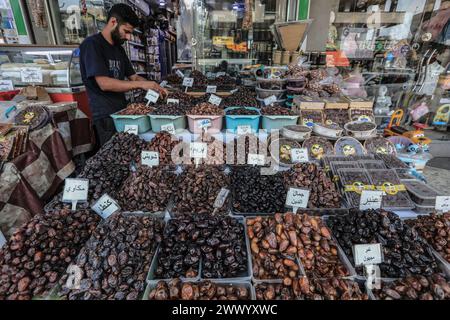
107,71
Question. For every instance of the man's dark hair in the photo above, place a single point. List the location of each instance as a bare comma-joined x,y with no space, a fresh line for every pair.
124,14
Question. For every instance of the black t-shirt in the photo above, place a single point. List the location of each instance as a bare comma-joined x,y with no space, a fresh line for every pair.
99,58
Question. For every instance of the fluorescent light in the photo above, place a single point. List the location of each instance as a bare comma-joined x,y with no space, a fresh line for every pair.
44,53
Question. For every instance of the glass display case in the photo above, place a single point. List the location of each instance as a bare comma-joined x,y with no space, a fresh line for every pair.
53,66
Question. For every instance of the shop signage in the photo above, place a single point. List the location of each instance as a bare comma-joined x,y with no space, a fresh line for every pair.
150,158
221,41
75,190
131,129
367,254
297,198
256,159
221,197
152,96
443,203
299,155
215,100
105,206
370,200
188,82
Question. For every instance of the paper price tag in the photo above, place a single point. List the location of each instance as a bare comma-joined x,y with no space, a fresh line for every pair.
150,158
198,150
242,130
76,190
270,100
188,82
297,198
164,84
220,74
210,75
6,85
370,200
31,75
248,83
299,155
152,96
174,101
215,100
256,159
105,206
2,240
366,254
203,123
221,198
442,203
170,128
211,89
131,129
179,73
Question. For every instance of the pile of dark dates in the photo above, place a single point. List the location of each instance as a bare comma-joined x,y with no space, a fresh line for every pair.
244,97
175,289
405,253
170,109
114,263
277,110
163,143
243,145
39,252
338,116
136,109
182,97
206,109
242,112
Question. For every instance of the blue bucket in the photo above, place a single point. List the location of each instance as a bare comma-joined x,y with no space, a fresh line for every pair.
234,121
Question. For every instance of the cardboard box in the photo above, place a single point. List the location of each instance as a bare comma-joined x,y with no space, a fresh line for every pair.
360,103
336,103
304,102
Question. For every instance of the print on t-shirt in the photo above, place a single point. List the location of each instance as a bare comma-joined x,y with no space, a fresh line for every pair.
114,68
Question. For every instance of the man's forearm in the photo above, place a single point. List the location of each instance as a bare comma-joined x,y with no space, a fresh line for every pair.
135,77
114,85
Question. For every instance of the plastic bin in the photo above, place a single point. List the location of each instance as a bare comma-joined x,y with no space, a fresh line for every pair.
421,193
120,121
234,121
265,93
216,123
157,121
278,122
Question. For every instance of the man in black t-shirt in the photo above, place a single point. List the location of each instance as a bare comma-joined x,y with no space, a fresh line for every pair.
105,66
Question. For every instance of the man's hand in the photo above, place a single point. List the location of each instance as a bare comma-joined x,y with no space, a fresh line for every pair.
151,85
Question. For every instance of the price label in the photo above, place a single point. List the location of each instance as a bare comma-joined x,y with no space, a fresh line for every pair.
248,83
105,206
366,254
442,203
203,123
215,100
152,96
150,158
221,197
76,190
174,101
210,75
234,91
370,200
164,84
6,85
31,75
2,240
297,198
270,100
188,82
131,129
220,74
299,155
198,150
170,128
256,159
243,130
211,89
179,73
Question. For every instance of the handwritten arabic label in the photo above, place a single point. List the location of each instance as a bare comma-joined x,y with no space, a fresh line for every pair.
188,82
2,240
220,74
6,85
270,100
150,158
105,206
170,128
299,155
215,100
211,89
76,190
297,198
256,159
203,123
180,74
152,96
243,130
163,84
370,200
31,75
210,75
198,150
131,129
366,254
174,101
221,197
442,203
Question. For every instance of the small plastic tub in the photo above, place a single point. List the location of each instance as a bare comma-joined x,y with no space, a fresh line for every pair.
278,122
232,122
216,123
422,194
157,121
361,134
265,93
142,121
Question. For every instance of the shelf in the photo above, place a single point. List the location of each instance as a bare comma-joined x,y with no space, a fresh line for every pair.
361,17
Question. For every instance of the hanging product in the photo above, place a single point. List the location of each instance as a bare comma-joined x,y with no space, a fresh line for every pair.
38,12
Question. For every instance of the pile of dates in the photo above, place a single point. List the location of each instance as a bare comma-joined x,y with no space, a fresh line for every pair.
182,97
244,97
163,143
41,250
206,109
434,287
174,79
200,80
197,189
242,112
218,242
436,230
136,109
405,252
323,192
148,189
243,145
254,192
114,263
170,109
224,81
338,116
205,290
276,110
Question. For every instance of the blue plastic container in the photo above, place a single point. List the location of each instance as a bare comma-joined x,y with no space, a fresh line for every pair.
234,121
278,122
142,121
